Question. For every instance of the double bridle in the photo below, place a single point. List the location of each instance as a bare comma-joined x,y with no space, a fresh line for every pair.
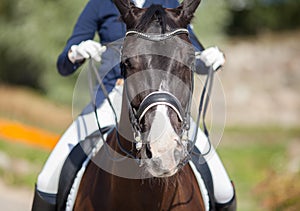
158,97
162,98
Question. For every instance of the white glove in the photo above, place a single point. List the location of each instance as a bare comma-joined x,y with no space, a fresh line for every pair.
211,57
86,49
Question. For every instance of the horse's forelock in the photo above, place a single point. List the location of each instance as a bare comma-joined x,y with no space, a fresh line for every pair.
158,12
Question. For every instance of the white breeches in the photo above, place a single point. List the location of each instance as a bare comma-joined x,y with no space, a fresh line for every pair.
83,126
86,124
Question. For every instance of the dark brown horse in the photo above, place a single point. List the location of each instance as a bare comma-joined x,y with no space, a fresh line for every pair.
144,163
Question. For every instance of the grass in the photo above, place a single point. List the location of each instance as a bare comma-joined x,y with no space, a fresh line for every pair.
22,151
22,163
250,154
248,166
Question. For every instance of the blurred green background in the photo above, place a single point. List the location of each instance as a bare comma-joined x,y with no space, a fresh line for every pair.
34,33
261,40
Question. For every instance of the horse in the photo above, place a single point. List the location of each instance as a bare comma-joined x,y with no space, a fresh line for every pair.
144,161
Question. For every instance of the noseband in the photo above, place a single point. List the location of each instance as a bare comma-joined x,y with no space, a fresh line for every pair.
158,97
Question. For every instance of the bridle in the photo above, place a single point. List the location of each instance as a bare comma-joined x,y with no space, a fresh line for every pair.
158,97
162,98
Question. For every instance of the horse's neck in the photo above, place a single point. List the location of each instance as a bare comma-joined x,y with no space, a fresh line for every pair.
149,194
156,193
102,189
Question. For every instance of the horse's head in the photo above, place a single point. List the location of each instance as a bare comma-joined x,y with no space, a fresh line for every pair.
157,62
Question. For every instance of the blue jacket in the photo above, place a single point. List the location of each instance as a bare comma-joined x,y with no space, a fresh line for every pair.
102,17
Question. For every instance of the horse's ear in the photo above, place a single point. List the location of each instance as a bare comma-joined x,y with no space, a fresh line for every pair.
128,11
187,10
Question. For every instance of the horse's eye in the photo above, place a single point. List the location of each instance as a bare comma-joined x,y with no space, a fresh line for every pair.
127,63
124,66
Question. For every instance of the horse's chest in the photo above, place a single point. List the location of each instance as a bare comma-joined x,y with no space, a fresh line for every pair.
149,198
100,190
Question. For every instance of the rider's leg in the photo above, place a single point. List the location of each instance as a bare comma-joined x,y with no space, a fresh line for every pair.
223,188
49,176
48,179
83,126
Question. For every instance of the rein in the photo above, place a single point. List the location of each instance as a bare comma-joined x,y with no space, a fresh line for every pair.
99,79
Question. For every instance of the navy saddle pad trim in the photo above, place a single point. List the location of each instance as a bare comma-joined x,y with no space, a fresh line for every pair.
204,171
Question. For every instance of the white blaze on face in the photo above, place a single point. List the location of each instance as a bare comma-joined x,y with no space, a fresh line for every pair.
162,138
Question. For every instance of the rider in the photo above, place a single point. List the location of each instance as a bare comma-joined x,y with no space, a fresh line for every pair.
102,17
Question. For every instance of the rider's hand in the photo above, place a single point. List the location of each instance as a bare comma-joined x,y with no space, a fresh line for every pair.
86,49
211,57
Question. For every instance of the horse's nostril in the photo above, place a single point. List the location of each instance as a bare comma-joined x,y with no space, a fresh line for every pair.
177,155
148,152
156,163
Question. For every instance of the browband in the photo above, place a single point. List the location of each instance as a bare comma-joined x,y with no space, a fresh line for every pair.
158,37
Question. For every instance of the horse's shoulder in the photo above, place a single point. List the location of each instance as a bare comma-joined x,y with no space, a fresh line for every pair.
75,166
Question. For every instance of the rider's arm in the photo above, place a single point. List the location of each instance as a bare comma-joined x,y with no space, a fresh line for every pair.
84,29
205,58
194,40
200,66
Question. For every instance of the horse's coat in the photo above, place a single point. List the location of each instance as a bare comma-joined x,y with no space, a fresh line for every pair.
166,181
100,190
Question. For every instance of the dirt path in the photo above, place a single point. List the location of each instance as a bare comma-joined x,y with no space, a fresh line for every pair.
15,199
24,105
